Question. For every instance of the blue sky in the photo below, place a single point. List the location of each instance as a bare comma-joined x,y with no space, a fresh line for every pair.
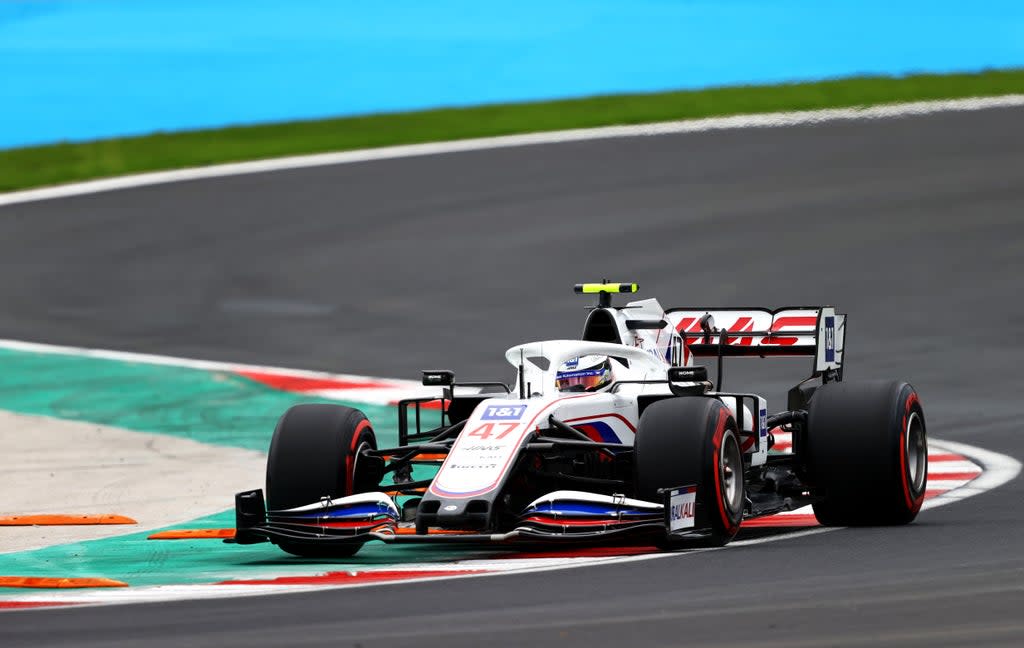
87,69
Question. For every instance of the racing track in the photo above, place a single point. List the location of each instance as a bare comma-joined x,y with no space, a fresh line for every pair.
914,226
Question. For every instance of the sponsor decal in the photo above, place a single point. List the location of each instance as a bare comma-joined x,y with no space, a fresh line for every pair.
800,325
682,508
572,363
790,322
741,325
503,412
483,448
582,373
762,423
830,339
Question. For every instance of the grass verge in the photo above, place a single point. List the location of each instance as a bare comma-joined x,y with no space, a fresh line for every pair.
53,164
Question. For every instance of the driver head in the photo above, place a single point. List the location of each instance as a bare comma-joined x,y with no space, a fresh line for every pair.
584,374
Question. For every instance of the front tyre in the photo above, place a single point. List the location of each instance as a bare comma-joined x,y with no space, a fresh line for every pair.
867,453
315,454
693,440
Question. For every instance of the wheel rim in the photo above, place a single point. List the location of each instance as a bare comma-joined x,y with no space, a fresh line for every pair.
730,464
355,463
916,452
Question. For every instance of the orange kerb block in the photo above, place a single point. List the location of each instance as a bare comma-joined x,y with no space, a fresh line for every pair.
192,534
58,583
61,519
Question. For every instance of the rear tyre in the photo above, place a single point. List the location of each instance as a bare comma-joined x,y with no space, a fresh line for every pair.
315,454
693,440
867,453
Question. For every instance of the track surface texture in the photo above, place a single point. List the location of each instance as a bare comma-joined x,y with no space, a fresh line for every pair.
913,226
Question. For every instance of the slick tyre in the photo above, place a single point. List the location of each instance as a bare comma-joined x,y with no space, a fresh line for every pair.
693,440
867,453
315,454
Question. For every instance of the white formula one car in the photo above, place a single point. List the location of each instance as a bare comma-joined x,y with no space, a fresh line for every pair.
616,434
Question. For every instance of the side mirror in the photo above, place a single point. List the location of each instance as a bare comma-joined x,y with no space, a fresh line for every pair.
438,378
688,381
687,374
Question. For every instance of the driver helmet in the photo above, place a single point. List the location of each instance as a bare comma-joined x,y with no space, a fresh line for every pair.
585,373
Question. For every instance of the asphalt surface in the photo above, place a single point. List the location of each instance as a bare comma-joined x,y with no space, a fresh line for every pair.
913,226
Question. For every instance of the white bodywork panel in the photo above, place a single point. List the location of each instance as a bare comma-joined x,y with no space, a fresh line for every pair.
481,456
648,341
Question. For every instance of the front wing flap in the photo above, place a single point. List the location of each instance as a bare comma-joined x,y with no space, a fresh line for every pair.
561,516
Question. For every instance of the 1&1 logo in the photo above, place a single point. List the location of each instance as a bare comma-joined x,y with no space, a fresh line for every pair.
503,413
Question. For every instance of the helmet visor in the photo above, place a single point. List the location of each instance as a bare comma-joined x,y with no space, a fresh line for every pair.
582,380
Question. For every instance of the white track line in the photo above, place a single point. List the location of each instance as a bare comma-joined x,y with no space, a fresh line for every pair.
189,363
386,391
204,365
762,120
998,470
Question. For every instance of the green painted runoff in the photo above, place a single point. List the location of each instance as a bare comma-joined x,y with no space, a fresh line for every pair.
206,406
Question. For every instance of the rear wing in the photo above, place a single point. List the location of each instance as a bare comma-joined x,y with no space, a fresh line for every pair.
818,332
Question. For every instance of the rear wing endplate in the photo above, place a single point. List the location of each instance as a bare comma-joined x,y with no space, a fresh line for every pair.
819,332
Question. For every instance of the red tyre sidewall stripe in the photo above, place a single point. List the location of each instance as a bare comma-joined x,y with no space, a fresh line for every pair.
350,458
913,504
716,443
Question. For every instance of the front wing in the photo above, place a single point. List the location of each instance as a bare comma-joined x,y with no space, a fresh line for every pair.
561,516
